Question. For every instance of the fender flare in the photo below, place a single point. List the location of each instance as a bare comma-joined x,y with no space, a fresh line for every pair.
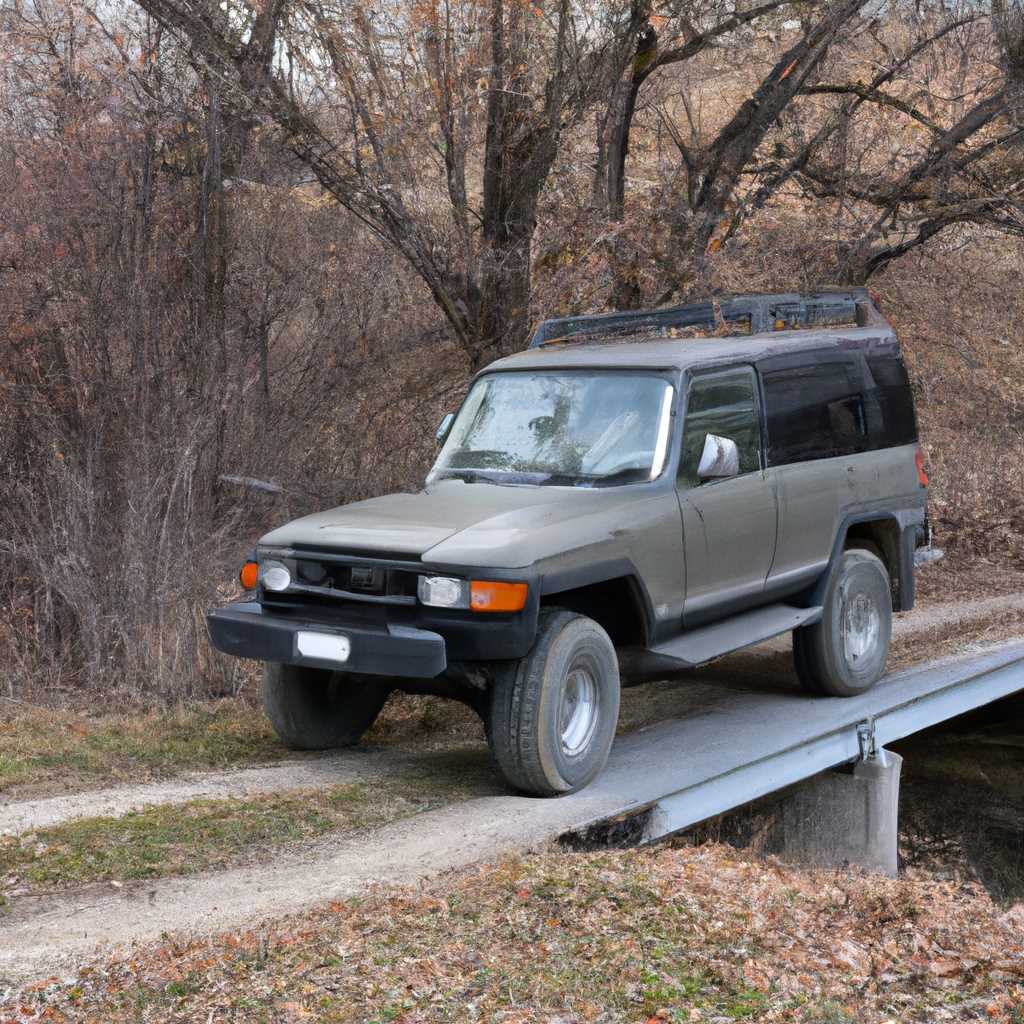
604,572
907,522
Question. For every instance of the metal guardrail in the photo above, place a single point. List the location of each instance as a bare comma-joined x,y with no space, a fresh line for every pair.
892,713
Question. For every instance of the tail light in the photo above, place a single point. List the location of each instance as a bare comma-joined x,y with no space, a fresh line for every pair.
922,476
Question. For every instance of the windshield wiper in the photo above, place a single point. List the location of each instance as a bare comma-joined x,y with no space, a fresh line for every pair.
564,480
634,474
471,476
630,475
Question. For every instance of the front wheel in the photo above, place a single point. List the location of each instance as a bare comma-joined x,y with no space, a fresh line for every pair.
553,714
316,709
844,654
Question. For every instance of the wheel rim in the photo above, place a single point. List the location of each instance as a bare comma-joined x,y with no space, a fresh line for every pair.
861,628
577,717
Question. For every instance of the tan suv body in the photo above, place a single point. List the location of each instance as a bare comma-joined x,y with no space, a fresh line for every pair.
619,494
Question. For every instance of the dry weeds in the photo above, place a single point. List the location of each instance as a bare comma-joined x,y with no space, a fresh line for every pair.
683,934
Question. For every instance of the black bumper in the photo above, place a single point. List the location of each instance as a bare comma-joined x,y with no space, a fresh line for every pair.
245,630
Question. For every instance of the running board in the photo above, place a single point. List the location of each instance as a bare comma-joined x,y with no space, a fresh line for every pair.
698,646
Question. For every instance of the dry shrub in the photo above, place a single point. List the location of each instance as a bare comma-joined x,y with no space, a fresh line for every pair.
124,406
958,309
167,326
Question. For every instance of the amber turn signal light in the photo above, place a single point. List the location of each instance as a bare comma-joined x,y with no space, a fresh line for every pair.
489,596
249,574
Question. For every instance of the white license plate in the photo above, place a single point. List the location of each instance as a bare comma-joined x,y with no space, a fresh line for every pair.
325,646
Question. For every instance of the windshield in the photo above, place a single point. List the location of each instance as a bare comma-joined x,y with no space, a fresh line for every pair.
560,428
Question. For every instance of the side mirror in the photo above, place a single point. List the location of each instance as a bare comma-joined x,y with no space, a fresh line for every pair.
720,458
446,425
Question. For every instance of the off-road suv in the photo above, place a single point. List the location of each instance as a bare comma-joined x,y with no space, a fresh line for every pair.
645,490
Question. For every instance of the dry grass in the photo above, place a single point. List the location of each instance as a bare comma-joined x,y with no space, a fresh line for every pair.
955,637
205,835
46,750
671,934
960,578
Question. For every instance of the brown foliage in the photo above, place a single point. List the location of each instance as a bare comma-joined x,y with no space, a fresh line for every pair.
220,267
166,327
663,934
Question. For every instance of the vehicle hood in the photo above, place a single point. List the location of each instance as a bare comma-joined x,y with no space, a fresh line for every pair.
457,522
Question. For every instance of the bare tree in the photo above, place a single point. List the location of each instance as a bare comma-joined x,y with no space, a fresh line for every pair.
968,169
685,42
172,317
699,200
386,105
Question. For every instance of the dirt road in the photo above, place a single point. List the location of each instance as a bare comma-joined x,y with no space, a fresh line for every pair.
52,933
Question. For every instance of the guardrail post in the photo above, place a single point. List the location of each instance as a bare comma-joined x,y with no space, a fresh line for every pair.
847,816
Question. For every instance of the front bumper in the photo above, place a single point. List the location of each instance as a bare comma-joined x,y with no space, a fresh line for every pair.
245,630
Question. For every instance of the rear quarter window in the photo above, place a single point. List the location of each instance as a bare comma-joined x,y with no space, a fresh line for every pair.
893,422
815,411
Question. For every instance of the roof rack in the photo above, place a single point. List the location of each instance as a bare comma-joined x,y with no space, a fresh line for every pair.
735,315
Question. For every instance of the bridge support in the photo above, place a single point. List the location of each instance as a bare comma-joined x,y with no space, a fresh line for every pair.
846,816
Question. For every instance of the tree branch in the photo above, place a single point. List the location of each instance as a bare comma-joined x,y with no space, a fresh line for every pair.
873,95
801,160
700,42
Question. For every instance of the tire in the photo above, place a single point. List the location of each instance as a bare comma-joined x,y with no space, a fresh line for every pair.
844,654
316,709
546,742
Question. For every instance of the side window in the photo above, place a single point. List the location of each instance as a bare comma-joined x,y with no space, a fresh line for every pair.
895,403
724,404
814,412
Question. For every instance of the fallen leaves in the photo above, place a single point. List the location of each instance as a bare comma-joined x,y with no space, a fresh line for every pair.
667,935
944,968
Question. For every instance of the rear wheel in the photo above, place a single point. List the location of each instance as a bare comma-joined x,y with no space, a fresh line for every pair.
316,709
844,654
553,714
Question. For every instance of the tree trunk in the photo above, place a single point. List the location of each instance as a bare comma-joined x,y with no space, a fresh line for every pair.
510,219
520,149
209,355
621,109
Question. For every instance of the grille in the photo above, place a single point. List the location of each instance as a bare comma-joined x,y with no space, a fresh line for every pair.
327,580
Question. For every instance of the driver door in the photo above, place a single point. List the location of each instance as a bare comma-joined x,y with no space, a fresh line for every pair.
729,524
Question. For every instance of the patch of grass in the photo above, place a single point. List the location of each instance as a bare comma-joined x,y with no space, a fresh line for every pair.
44,750
53,750
179,839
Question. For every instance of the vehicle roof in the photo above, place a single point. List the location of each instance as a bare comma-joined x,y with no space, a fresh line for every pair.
661,353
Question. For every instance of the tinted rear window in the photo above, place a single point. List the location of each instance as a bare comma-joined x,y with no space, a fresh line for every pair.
891,402
815,411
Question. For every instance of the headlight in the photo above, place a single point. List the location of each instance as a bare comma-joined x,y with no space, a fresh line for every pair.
443,592
275,576
477,595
